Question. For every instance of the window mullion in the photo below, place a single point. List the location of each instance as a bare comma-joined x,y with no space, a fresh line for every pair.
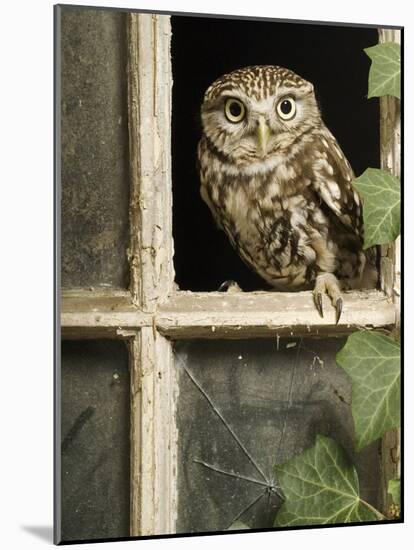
153,432
391,161
390,254
149,88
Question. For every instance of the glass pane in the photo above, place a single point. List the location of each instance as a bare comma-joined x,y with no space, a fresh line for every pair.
95,185
325,55
245,406
95,440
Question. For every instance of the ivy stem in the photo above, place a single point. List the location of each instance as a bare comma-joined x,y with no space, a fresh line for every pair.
374,510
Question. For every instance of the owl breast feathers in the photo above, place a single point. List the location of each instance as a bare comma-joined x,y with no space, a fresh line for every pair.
278,183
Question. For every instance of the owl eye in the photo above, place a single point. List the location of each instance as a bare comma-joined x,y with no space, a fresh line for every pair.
286,108
234,110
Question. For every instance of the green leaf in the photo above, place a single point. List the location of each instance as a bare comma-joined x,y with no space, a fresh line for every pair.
373,363
394,489
380,191
385,72
321,486
238,525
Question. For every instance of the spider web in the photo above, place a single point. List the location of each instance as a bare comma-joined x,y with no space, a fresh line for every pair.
268,486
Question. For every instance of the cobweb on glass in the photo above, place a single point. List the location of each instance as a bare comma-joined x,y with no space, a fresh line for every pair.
268,485
238,463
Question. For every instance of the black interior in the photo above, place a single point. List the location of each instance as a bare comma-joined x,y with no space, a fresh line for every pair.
203,49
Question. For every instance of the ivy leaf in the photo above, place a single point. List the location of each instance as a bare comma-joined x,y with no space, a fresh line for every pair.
394,489
385,72
373,363
380,191
321,486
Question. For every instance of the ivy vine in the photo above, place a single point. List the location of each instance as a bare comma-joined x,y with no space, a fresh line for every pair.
320,484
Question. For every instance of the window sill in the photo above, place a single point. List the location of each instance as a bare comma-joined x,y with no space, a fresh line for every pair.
228,315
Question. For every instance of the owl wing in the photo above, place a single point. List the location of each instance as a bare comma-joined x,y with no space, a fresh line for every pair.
331,179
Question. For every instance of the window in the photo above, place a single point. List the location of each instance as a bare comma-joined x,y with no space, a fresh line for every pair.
200,363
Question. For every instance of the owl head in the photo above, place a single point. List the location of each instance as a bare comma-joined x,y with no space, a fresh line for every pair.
253,114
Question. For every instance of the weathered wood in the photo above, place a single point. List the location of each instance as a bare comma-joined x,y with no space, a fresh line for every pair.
150,81
134,348
390,127
89,300
93,333
100,313
245,315
91,326
153,435
134,249
216,314
165,437
391,254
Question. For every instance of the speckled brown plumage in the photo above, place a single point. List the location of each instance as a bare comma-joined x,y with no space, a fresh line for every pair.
278,183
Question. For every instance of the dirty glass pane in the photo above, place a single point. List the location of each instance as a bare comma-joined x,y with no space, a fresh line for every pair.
94,137
243,407
95,440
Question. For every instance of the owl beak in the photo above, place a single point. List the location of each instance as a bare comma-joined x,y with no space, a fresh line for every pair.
263,134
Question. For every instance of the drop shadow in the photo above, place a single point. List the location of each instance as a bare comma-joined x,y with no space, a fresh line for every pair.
43,532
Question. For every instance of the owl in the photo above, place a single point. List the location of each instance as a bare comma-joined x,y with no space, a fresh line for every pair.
279,185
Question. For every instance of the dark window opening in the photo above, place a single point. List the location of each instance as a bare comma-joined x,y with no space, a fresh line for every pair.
331,57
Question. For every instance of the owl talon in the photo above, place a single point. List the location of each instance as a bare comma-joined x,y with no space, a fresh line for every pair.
338,308
229,286
318,303
327,283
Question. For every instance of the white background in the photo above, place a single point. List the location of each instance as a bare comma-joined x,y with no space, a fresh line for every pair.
26,206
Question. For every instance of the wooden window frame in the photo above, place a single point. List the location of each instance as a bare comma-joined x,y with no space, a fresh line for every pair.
153,312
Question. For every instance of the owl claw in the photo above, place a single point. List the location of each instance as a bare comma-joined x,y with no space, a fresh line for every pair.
229,286
318,303
338,308
327,283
